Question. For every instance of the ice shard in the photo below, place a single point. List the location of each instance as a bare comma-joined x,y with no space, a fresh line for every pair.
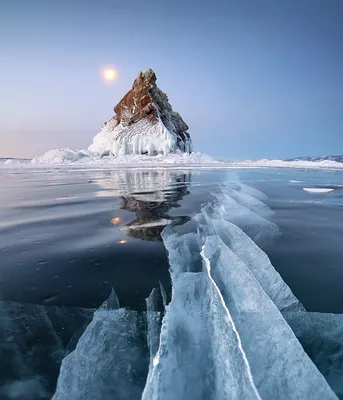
155,310
110,360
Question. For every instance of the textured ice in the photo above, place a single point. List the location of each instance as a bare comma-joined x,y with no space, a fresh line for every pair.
198,357
249,201
232,298
183,252
253,257
321,336
280,367
141,137
155,303
257,227
112,302
110,360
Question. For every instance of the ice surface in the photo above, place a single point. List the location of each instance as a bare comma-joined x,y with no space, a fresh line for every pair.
33,341
321,336
318,190
147,185
230,331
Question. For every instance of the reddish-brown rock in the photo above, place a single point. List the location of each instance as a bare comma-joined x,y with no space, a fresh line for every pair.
146,100
144,123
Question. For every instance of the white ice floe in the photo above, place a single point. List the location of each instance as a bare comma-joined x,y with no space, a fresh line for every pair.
318,190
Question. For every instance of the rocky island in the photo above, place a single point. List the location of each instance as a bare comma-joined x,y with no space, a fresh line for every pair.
144,123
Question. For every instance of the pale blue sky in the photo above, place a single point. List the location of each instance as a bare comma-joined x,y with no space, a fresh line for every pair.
251,78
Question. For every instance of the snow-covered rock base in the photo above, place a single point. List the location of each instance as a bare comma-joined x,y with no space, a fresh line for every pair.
85,157
143,137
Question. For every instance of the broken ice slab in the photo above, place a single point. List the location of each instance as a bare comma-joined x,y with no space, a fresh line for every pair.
279,366
110,360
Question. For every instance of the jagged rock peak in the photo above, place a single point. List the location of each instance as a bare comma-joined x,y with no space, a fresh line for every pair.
144,122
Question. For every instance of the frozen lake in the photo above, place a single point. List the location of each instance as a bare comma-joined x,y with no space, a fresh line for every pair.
70,235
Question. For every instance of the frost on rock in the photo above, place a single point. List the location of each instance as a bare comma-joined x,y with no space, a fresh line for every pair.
145,123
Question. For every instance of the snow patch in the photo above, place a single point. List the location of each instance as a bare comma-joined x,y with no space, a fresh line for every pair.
61,156
265,163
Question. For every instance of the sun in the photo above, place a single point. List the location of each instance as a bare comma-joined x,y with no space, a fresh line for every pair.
109,74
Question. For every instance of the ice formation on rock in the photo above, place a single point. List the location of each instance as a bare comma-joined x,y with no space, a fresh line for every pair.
145,123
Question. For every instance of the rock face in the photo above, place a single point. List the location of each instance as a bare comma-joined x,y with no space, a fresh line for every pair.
144,123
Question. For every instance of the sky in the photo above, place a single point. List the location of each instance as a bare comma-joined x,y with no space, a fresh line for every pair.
252,79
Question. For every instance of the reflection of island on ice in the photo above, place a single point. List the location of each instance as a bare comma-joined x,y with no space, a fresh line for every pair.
150,195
